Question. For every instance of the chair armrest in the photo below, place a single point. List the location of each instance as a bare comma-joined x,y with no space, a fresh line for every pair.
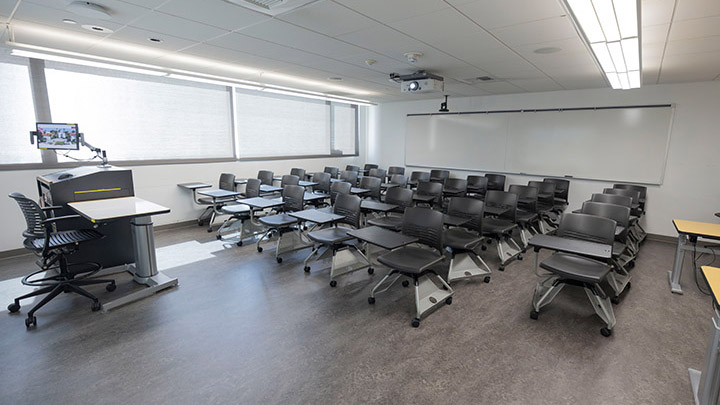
56,219
54,207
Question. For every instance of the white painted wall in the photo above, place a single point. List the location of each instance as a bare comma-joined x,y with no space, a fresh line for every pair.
691,187
159,184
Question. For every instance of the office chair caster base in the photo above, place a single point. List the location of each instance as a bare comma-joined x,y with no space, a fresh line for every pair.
519,257
259,249
218,237
111,287
631,264
333,283
239,243
371,270
615,300
483,248
415,322
209,230
405,283
501,268
534,315
371,300
306,269
96,306
278,259
14,307
606,332
448,300
30,322
486,279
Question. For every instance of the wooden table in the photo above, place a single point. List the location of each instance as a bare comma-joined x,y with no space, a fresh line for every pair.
706,385
688,234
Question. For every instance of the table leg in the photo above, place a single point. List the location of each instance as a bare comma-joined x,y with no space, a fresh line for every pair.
674,275
706,385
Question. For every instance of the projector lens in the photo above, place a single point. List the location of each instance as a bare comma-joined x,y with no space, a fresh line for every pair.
413,86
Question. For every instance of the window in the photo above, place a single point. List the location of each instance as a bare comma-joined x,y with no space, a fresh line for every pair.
138,117
344,129
17,115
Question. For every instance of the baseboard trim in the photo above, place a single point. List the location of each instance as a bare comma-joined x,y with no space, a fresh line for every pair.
14,253
662,238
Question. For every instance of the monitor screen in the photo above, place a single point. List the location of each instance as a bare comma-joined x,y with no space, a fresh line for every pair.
57,136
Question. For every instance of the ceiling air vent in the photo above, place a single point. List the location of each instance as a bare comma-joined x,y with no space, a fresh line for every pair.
478,79
271,7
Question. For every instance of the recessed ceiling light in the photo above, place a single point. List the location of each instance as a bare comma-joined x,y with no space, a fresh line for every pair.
97,28
69,21
335,79
158,40
549,49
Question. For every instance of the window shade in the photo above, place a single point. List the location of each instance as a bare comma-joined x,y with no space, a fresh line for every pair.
17,115
344,128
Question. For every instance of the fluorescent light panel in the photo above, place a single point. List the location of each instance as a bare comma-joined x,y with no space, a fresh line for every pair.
611,28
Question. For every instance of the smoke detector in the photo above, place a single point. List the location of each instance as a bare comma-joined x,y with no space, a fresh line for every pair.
413,57
87,9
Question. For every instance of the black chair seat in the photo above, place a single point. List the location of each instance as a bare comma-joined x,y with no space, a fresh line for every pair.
209,201
63,238
618,248
330,236
497,226
460,238
388,222
576,267
543,208
525,217
410,259
236,209
278,220
451,190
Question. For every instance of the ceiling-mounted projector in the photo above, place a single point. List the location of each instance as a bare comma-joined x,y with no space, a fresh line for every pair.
418,82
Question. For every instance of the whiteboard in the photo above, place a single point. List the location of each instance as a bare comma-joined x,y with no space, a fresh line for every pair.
612,144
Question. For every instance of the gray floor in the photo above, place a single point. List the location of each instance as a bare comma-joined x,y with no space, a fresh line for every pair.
243,329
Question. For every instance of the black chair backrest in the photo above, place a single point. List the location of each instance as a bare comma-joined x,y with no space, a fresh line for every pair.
618,213
456,184
350,176
352,168
293,197
252,188
33,216
635,195
349,206
266,177
369,166
495,181
641,189
332,170
424,224
439,175
323,180
400,179
227,181
496,198
339,187
399,196
527,196
419,176
379,173
546,188
372,184
296,171
477,184
562,188
289,180
468,208
431,188
612,199
587,227
395,170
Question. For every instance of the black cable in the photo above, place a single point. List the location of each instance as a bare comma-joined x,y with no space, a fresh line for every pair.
76,159
696,268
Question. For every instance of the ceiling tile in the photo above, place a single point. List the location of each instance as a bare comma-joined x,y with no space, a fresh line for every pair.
690,68
500,13
6,7
384,40
140,36
120,11
146,3
650,76
536,85
652,55
243,43
53,17
164,23
231,56
328,18
220,14
40,35
500,87
550,29
690,46
400,9
654,12
697,28
691,9
655,33
579,83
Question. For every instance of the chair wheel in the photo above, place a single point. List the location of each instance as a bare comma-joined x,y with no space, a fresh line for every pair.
628,286
13,307
259,249
200,223
111,287
501,268
615,300
209,230
307,269
30,322
218,237
371,270
524,250
333,283
519,257
534,315
96,306
239,243
405,283
371,300
415,322
631,264
486,279
605,332
279,259
483,248
448,300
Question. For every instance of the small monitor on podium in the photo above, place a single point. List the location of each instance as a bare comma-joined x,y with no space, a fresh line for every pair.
57,136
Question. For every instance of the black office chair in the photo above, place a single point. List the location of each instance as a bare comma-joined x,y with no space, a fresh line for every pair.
350,176
417,177
289,180
352,168
419,262
477,186
500,228
296,171
266,177
636,232
463,240
52,248
372,184
402,197
284,225
369,166
379,173
395,170
334,171
439,176
562,191
641,233
527,213
495,181
338,187
573,269
547,219
454,188
323,187
227,182
430,193
335,242
239,215
400,179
